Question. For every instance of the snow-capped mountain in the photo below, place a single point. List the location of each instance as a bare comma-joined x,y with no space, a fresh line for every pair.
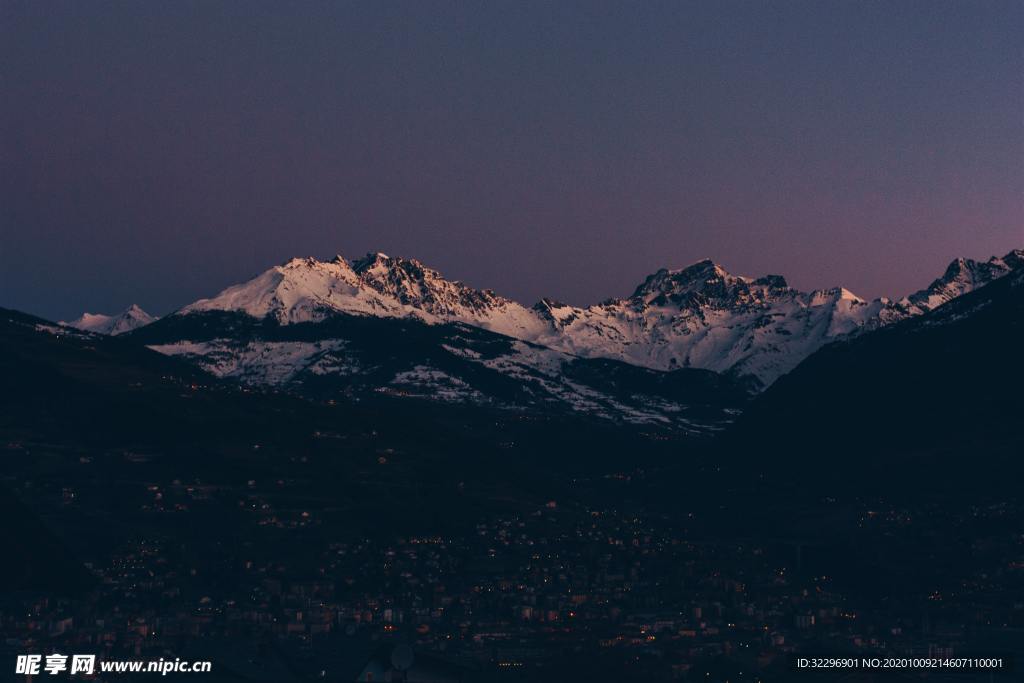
704,317
127,320
308,290
700,316
394,326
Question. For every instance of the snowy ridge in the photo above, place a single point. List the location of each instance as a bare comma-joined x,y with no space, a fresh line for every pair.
700,316
427,291
127,320
962,276
704,317
303,290
449,363
308,290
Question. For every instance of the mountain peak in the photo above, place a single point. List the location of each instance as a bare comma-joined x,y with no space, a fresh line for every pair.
378,259
701,269
958,266
688,279
772,282
300,261
824,296
414,284
1013,260
964,275
704,278
119,323
379,269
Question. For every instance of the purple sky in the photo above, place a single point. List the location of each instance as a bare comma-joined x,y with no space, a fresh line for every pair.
157,152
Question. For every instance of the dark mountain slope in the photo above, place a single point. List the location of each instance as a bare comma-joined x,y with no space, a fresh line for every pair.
37,560
60,382
937,397
139,416
357,356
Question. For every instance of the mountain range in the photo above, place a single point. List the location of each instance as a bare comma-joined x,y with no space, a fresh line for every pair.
700,316
684,348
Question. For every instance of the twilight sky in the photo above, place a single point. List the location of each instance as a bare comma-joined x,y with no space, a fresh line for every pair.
155,152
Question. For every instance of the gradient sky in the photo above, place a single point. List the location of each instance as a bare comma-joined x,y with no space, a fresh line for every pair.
155,152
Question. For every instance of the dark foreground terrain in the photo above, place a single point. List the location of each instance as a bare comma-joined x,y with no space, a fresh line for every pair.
152,511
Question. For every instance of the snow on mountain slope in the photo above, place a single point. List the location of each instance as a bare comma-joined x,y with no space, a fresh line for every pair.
697,317
303,290
424,289
127,320
307,290
255,362
351,356
704,317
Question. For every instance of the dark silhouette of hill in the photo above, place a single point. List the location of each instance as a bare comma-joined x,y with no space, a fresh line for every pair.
73,392
37,561
935,400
